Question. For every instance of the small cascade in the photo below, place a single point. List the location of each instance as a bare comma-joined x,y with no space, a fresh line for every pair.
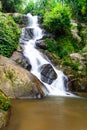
53,79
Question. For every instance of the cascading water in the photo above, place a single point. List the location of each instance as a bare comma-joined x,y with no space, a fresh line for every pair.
36,59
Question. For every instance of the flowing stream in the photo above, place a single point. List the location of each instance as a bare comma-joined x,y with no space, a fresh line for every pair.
37,59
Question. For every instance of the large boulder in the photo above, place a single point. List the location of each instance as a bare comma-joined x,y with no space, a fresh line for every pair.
20,59
48,74
17,82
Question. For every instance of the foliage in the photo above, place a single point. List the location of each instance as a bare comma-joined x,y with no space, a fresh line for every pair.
63,46
18,19
4,101
57,21
12,5
0,6
66,45
9,35
78,9
40,6
52,45
67,62
30,7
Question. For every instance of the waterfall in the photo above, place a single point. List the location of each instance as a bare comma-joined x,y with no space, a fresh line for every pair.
57,87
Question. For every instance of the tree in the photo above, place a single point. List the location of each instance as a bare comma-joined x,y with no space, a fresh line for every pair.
78,8
12,5
57,20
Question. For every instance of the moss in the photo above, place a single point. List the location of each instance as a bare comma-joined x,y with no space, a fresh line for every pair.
4,101
73,64
9,75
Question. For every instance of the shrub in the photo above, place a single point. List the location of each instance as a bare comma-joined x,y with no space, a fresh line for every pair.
12,5
67,62
51,44
4,101
57,21
66,45
9,35
63,46
18,19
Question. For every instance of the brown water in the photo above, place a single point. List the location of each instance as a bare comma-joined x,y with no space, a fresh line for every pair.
53,113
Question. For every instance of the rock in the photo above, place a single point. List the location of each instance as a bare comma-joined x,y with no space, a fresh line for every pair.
17,82
4,118
77,57
75,35
77,84
25,20
21,60
48,74
85,56
46,34
28,33
41,44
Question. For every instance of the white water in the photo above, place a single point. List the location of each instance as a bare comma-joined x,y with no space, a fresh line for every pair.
37,60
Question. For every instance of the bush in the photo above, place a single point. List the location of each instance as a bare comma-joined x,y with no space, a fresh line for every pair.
9,35
4,101
67,45
57,21
52,45
18,19
67,62
63,46
12,5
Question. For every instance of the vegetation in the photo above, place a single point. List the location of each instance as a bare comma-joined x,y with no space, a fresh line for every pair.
4,101
78,9
9,35
12,5
57,21
63,46
56,18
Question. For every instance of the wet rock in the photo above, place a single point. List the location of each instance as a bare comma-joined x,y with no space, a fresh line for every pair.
25,20
41,44
65,79
17,82
19,58
48,74
28,34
